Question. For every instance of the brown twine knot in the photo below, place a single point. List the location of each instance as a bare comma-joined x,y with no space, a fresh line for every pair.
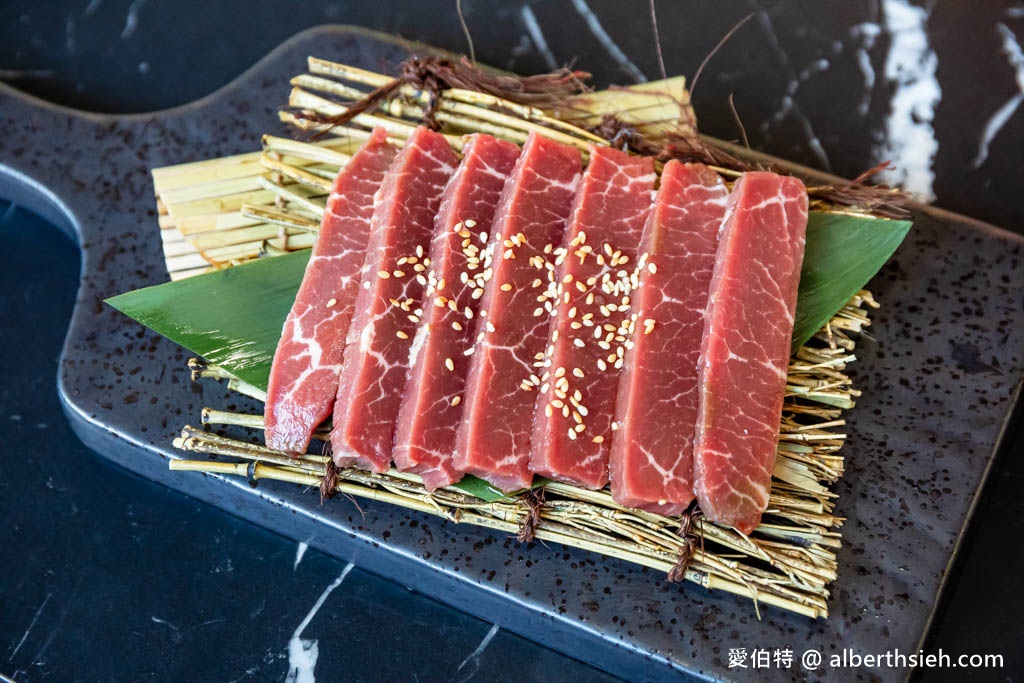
535,500
433,75
329,483
689,529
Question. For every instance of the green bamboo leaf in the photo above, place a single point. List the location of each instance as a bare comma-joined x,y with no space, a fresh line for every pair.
233,318
475,486
842,254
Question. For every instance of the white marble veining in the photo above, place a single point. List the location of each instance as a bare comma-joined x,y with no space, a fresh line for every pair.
299,552
1015,58
537,37
473,660
866,34
910,66
302,652
131,19
594,24
788,104
35,618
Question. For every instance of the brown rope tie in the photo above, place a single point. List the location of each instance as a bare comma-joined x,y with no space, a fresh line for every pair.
328,485
527,532
689,529
434,75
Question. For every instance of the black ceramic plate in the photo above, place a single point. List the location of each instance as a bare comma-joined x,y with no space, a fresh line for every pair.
939,384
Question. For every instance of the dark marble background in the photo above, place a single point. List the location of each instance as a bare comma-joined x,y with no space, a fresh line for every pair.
104,576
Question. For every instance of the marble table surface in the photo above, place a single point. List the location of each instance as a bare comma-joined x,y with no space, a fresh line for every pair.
108,577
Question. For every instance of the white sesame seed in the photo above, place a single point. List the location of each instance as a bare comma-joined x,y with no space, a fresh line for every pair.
507,287
331,302
401,335
383,274
578,343
450,364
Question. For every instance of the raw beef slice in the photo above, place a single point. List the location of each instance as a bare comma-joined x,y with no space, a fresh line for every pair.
494,438
746,347
307,362
591,292
379,344
656,412
431,410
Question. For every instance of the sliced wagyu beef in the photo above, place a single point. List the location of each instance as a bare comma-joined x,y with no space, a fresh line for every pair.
590,292
307,363
431,409
388,306
652,451
746,347
494,438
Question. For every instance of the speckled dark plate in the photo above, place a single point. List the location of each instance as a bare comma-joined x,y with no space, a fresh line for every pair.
939,384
